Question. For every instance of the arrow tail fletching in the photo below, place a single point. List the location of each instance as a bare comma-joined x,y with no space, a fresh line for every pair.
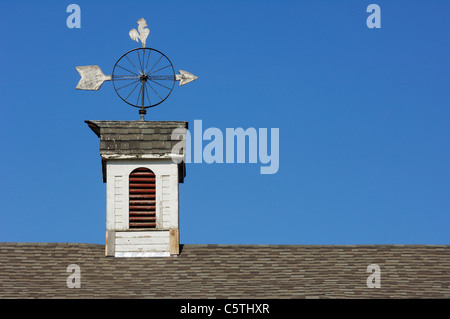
92,77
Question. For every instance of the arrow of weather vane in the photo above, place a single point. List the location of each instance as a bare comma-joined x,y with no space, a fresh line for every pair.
92,77
142,77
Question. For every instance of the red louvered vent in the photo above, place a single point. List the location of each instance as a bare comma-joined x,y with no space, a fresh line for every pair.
142,199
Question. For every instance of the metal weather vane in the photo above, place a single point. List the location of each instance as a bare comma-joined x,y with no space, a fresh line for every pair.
142,77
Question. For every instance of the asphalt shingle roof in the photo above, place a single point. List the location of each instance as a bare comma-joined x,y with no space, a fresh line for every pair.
39,270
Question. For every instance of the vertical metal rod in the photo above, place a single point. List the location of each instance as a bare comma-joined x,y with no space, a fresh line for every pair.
143,91
142,111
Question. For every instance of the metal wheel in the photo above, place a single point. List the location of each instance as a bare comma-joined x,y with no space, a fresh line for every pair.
143,77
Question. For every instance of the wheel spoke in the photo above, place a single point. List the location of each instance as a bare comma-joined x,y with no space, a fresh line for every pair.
146,64
140,64
132,91
127,70
154,91
161,85
160,69
139,95
155,64
148,97
133,64
127,85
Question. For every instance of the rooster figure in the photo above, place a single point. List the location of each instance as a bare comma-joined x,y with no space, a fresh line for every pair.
141,33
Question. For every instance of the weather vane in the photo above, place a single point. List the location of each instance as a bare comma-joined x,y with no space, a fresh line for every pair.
142,77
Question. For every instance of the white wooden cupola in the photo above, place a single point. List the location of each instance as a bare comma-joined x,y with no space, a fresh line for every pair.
142,174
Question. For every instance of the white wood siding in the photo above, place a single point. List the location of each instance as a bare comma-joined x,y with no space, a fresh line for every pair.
141,242
120,202
165,201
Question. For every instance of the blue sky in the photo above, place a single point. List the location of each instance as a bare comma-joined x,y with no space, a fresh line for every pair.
363,116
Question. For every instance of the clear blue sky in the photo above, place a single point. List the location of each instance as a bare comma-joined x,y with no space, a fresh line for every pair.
363,116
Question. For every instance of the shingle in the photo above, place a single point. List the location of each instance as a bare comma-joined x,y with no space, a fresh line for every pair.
149,137
38,270
137,138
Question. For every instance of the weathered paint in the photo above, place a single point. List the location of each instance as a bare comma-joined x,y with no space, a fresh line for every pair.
164,239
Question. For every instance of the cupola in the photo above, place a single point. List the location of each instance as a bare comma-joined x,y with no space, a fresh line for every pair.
142,174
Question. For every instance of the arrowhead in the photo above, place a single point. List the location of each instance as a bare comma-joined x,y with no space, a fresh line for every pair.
92,77
185,77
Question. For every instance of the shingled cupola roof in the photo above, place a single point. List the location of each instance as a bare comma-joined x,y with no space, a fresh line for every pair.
138,139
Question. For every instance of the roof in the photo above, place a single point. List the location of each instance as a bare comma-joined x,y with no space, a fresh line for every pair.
39,270
139,139
136,137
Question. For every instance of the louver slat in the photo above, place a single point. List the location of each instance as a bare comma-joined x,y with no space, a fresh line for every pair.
142,193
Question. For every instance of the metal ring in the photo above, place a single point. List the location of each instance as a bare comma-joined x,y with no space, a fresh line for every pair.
145,71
